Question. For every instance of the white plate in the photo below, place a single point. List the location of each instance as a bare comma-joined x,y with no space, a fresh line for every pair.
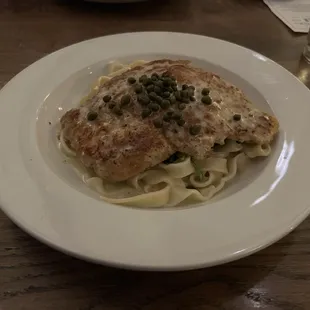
43,196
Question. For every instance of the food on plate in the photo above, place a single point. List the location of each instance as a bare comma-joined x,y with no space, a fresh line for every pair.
158,133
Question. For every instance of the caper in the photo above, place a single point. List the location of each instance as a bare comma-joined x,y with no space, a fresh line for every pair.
192,98
166,82
172,99
181,122
117,111
194,130
165,104
166,118
91,116
191,87
125,100
143,99
206,100
142,78
205,91
168,89
152,96
191,92
154,77
237,117
138,89
184,86
147,82
185,100
150,88
177,95
146,112
166,94
174,87
157,90
154,107
184,93
107,98
181,106
158,123
111,105
176,116
159,83
131,80
159,99
169,113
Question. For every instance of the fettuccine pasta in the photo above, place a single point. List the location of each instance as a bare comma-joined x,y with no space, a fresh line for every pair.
168,184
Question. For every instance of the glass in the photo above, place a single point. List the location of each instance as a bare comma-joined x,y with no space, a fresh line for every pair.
307,48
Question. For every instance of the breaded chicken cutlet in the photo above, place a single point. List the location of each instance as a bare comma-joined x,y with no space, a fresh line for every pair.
144,115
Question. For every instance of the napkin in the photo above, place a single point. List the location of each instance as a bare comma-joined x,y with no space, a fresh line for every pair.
294,13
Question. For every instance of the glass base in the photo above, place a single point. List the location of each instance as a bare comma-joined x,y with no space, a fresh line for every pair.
306,53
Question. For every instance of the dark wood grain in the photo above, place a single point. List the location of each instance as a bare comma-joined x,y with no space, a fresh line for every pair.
33,276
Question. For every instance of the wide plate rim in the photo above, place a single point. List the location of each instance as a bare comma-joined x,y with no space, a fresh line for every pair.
162,266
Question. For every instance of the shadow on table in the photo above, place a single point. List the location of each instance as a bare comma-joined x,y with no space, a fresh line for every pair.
151,15
136,8
123,289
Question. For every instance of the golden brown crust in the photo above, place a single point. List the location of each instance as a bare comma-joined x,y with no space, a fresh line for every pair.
119,147
129,149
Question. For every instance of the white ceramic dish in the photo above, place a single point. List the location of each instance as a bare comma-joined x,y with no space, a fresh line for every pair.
43,196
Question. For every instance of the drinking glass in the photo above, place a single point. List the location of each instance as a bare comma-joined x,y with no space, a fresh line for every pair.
307,48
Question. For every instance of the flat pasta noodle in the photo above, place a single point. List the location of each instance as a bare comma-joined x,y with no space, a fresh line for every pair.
150,200
102,80
208,192
253,151
135,181
179,170
167,184
64,148
114,69
136,63
157,176
212,164
209,180
230,146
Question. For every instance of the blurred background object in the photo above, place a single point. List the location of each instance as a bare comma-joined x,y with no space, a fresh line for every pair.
295,14
115,1
307,49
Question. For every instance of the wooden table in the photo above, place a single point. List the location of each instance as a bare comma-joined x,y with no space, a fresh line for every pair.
33,276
